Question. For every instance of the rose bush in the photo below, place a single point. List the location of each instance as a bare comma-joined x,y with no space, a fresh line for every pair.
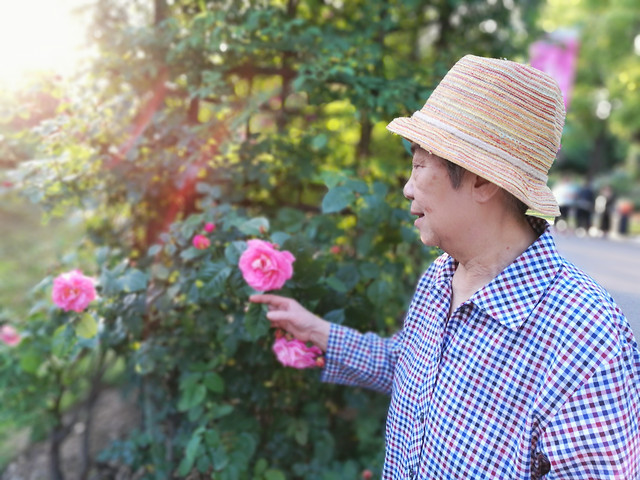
266,120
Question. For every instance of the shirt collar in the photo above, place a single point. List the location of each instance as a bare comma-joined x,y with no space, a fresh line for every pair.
513,294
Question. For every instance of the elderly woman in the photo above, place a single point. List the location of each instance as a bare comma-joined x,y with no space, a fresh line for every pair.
511,363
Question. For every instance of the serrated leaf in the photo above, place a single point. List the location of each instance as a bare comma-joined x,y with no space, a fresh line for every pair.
87,327
233,251
216,285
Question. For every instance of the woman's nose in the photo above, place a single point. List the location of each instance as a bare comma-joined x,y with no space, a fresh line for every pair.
407,191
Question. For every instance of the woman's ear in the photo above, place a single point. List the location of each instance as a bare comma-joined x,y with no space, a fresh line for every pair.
482,189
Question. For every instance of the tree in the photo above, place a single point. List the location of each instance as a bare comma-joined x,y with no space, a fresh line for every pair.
602,125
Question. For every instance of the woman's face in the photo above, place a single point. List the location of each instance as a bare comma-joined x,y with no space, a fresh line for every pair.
438,206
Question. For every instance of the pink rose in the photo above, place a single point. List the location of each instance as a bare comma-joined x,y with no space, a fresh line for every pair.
295,353
9,335
265,268
201,242
209,227
73,291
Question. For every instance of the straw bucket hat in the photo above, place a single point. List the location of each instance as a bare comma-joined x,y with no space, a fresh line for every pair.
501,120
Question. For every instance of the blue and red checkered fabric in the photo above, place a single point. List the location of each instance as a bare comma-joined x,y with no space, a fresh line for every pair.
537,375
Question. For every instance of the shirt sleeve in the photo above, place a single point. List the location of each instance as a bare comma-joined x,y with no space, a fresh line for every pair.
361,359
595,434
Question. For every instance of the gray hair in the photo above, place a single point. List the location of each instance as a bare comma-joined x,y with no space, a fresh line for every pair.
456,173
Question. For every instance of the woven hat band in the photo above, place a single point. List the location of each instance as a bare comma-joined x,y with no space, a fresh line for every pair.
483,145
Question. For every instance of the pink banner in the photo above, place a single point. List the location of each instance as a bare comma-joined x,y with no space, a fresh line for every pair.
557,55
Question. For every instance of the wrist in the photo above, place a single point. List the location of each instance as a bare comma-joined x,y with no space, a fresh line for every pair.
320,334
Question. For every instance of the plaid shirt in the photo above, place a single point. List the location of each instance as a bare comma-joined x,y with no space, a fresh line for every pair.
537,375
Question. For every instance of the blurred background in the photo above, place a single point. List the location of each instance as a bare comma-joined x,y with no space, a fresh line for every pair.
117,117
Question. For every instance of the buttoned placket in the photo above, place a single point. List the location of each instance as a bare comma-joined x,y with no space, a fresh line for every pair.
449,332
424,406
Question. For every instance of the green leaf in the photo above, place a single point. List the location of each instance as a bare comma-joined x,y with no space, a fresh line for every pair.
233,251
211,438
255,226
191,253
190,452
357,185
255,322
133,281
86,327
194,394
319,141
30,360
369,270
378,292
280,237
260,466
216,285
335,316
214,382
221,410
348,275
272,474
300,431
337,199
62,341
336,284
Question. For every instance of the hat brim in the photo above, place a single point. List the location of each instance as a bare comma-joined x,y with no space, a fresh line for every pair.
532,191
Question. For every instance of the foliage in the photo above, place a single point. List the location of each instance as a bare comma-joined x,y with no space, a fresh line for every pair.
602,123
267,119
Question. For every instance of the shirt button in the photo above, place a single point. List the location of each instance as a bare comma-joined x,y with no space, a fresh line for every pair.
412,474
421,418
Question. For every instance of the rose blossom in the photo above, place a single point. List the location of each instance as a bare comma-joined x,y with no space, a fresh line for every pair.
295,353
265,268
209,227
201,242
9,335
73,291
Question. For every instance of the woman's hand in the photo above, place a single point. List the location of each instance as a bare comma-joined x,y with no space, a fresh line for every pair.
289,315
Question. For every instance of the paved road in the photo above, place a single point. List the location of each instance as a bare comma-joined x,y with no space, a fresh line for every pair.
615,264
